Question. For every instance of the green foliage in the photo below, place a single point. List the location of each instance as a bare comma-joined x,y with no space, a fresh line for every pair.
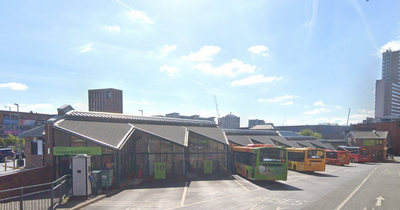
10,142
308,132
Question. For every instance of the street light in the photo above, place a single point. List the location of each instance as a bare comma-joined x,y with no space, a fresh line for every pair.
19,128
9,108
141,111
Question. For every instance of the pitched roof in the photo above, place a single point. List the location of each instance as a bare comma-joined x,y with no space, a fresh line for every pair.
305,143
262,139
210,132
174,133
369,134
280,139
295,144
34,132
239,139
329,146
121,118
262,127
318,143
108,134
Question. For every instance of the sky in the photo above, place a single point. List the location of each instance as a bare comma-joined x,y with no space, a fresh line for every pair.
293,62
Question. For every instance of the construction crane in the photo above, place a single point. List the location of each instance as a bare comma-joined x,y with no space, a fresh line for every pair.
216,105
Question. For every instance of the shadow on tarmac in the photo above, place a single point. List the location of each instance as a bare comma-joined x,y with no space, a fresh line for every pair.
276,186
313,173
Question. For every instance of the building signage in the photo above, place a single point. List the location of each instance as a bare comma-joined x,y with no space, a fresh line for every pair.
208,167
369,142
61,151
27,122
13,132
10,122
159,170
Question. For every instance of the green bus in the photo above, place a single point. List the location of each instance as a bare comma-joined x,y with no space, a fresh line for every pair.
261,162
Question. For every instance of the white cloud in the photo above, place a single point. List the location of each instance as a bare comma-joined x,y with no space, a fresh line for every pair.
316,111
280,98
231,69
319,103
139,16
86,48
253,80
288,103
262,100
113,28
14,86
167,48
170,70
393,45
204,54
259,49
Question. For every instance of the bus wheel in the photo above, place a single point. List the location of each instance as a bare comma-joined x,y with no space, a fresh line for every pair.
294,167
247,174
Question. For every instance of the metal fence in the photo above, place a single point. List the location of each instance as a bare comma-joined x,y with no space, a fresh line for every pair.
41,196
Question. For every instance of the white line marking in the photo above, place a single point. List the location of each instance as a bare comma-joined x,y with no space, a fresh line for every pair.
351,195
379,201
184,194
241,185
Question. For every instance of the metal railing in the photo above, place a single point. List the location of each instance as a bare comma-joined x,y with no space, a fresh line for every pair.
41,196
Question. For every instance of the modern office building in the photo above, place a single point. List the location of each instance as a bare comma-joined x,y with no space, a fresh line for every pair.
387,89
27,121
255,122
230,121
106,100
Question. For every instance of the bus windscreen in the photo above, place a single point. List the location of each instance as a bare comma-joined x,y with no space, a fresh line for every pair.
272,155
315,154
365,152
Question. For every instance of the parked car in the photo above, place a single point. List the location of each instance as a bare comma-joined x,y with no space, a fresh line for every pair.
6,152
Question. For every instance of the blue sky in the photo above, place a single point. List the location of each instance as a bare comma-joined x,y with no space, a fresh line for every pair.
286,62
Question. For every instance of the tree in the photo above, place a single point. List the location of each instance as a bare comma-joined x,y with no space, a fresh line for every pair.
309,132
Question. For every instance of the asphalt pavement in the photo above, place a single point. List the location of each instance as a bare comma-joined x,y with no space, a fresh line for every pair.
302,191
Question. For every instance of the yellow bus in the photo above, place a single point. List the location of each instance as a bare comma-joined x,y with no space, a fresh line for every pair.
306,159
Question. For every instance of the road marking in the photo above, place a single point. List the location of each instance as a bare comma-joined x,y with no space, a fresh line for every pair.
241,185
184,194
379,201
351,195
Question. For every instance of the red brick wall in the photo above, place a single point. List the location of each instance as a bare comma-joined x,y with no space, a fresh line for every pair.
24,178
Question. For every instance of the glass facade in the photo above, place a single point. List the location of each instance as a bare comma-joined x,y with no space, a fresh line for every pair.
143,153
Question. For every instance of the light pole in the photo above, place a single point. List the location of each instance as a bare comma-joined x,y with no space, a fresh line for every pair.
9,108
141,111
19,128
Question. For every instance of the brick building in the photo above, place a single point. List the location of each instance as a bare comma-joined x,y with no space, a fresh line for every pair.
375,140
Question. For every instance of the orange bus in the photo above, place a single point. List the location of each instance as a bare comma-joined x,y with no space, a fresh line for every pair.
334,157
306,159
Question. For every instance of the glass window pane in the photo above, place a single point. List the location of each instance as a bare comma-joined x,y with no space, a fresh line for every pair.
213,146
178,149
192,142
154,145
166,146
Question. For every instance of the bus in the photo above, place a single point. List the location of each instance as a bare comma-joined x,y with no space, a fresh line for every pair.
334,157
357,154
260,162
306,159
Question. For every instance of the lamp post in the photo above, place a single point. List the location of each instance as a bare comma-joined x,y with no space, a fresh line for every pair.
19,128
9,116
141,111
